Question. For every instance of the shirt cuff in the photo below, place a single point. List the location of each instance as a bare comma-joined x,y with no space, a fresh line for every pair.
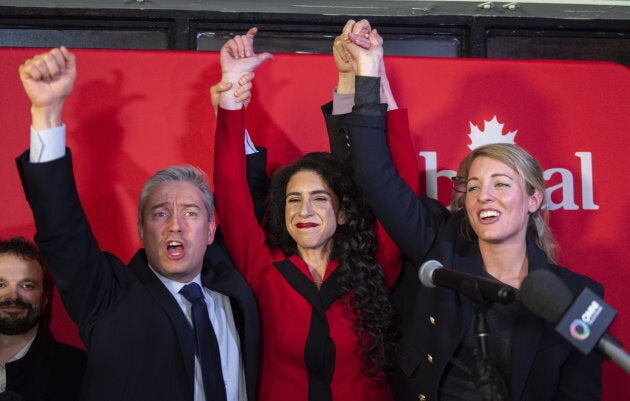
367,98
249,144
48,144
342,103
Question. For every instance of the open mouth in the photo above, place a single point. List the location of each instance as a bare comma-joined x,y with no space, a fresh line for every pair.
174,248
488,214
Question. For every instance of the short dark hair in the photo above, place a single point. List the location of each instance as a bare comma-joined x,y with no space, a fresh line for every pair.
25,249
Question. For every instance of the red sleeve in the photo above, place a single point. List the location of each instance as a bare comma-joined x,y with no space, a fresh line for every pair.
401,148
404,158
244,237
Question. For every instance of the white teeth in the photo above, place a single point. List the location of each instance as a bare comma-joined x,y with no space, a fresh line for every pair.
174,243
489,213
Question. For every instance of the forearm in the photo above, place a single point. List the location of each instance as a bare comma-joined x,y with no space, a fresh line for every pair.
46,117
345,83
64,236
227,98
235,209
395,205
387,96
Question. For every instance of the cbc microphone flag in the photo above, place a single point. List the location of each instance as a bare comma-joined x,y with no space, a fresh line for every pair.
134,112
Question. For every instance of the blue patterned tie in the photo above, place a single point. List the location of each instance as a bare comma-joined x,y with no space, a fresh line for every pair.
207,346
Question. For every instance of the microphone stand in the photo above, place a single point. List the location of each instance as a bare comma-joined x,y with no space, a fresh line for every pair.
481,328
470,288
491,385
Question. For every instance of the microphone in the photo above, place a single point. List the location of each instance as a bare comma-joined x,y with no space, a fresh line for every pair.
581,321
432,273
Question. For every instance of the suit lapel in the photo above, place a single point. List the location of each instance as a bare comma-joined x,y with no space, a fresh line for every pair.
219,275
181,326
528,331
527,336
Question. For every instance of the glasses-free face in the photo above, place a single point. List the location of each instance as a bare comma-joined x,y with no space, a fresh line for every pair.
22,296
176,230
311,212
497,204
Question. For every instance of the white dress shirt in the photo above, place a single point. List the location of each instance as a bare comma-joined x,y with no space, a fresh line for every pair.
222,319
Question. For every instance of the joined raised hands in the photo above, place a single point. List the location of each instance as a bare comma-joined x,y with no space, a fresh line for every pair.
352,32
357,33
358,41
358,50
48,79
368,59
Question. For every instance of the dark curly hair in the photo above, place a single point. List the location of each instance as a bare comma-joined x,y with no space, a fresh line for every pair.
354,246
25,249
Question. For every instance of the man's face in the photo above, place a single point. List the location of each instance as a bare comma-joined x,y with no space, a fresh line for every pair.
176,230
22,296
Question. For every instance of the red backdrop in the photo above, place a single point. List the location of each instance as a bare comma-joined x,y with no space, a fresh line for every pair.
133,112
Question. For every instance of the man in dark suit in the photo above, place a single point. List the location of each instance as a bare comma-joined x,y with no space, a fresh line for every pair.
34,367
134,322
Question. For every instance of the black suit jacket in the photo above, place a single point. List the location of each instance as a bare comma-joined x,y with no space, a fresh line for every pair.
50,371
139,343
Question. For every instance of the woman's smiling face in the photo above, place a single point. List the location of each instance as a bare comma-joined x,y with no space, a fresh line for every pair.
497,204
311,211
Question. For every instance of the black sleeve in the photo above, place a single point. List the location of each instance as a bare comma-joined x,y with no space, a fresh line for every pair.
258,180
91,282
337,139
412,223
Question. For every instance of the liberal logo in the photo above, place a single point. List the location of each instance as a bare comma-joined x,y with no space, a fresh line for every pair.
562,184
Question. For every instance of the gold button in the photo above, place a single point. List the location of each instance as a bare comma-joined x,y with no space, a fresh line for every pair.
432,320
421,397
430,358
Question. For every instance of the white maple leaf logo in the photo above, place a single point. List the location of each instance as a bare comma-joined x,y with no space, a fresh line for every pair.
492,133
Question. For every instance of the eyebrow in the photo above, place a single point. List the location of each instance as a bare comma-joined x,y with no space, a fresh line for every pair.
316,192
24,280
495,175
165,204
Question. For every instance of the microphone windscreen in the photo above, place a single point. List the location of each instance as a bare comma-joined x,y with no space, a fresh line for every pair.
425,274
543,293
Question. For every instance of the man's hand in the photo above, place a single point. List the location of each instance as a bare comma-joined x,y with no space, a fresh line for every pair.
48,79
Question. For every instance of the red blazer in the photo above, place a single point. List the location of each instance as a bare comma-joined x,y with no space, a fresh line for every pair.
285,314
